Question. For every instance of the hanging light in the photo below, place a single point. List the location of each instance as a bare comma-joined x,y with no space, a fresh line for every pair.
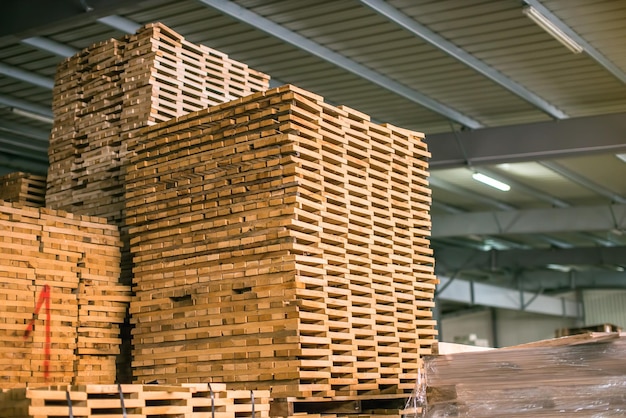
550,27
490,181
32,115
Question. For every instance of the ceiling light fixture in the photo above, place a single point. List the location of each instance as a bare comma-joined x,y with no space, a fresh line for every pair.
559,267
550,27
32,115
489,181
621,157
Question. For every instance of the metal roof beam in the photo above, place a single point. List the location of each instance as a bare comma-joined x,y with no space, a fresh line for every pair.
27,76
557,280
558,203
26,18
469,194
51,46
454,259
529,142
16,163
28,148
421,31
583,181
259,22
531,221
120,23
24,151
472,293
24,130
587,47
521,187
27,106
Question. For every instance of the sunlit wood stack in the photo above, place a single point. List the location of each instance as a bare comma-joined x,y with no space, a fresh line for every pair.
103,94
137,401
281,242
78,258
24,188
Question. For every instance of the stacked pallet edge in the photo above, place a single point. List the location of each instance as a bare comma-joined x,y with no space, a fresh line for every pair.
258,239
199,400
23,188
280,241
77,258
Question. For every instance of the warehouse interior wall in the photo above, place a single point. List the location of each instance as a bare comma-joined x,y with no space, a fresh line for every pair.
605,307
503,327
457,327
517,327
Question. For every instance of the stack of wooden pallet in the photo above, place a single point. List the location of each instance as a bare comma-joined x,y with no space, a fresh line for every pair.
24,188
582,375
138,401
66,267
281,242
103,94
383,406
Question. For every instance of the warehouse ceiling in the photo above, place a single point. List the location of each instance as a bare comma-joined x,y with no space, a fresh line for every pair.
493,91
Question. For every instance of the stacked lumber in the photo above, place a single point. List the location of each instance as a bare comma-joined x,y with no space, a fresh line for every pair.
281,242
583,375
564,332
105,93
349,407
138,401
77,259
24,188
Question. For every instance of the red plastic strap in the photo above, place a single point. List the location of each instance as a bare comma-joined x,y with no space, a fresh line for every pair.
43,297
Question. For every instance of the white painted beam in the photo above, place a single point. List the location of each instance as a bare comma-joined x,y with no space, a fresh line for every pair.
531,221
421,31
261,23
529,142
481,294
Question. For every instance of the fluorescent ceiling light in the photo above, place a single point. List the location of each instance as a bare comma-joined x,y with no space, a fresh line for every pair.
496,184
621,157
559,267
32,115
550,27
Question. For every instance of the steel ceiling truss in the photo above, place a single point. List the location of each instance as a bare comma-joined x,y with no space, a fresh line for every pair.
454,259
482,294
259,22
488,145
529,142
587,47
531,221
421,31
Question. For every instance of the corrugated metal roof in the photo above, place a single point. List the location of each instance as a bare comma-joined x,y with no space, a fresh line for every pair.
493,31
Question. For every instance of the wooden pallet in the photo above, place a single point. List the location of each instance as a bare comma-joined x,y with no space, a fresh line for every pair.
24,188
348,406
135,401
78,258
280,242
